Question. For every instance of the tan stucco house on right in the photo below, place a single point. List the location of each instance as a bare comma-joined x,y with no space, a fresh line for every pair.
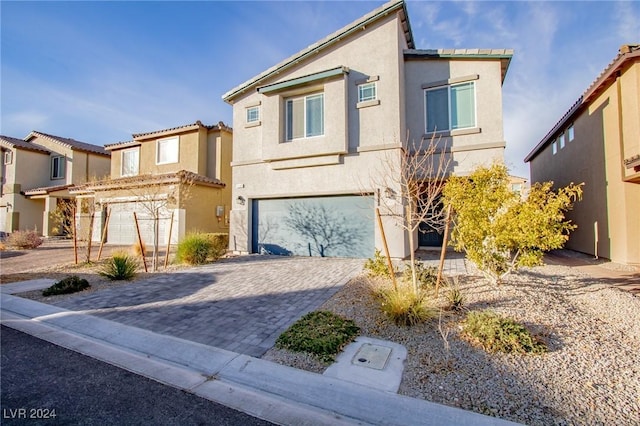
598,142
311,132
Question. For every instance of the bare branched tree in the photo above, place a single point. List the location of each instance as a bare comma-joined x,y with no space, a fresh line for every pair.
412,178
157,196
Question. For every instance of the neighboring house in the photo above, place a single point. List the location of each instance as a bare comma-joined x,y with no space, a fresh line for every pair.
182,173
310,132
598,142
519,185
37,172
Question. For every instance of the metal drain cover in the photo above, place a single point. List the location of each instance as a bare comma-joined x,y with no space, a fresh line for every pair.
372,356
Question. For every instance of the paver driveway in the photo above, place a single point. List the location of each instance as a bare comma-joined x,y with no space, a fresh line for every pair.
239,304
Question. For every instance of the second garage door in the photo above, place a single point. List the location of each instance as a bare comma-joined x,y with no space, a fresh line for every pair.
335,226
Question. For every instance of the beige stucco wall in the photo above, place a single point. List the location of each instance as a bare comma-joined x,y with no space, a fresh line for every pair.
595,157
341,161
23,213
357,140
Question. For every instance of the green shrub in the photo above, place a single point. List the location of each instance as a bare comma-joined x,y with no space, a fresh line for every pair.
498,334
120,267
426,275
72,284
377,267
406,307
24,239
219,244
321,333
194,249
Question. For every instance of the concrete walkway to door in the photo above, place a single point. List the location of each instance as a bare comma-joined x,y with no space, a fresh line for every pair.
240,304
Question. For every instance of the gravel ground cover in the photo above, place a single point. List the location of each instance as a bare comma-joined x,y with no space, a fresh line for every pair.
591,374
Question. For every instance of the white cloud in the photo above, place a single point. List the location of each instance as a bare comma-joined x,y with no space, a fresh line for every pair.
628,16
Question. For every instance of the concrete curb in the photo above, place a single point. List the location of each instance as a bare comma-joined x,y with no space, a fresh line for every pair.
273,392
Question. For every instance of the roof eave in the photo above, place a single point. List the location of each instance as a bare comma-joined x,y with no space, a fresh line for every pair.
335,37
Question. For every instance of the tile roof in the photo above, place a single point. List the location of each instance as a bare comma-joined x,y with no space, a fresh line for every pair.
627,52
70,143
123,144
183,176
192,126
47,189
504,55
10,142
363,22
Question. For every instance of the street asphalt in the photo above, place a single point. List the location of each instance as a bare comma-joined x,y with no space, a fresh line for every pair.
44,384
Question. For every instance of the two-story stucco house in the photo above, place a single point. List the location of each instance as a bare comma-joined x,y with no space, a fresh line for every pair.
310,131
181,173
40,170
598,142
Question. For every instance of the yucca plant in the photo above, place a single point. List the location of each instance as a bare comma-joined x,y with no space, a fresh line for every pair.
120,267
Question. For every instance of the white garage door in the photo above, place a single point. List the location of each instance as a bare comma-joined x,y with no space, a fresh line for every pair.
122,228
3,221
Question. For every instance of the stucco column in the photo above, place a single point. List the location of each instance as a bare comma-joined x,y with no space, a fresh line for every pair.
48,219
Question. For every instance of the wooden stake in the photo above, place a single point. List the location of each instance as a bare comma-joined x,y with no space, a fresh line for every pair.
93,215
75,238
444,248
166,256
144,260
104,233
386,249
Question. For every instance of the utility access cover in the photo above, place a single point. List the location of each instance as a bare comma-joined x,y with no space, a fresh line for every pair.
372,356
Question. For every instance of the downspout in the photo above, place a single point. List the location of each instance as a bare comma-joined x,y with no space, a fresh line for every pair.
620,126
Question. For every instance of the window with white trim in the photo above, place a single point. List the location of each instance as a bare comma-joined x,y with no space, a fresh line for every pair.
304,116
167,150
554,147
570,133
7,158
57,167
450,107
253,114
130,162
367,92
561,140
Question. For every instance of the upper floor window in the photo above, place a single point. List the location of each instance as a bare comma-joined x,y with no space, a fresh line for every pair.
57,167
304,116
451,107
570,133
561,140
7,157
167,150
554,147
253,114
367,92
130,162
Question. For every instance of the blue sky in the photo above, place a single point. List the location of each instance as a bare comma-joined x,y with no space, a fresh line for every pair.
100,71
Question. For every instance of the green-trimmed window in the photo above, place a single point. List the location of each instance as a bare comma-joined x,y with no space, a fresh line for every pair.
304,116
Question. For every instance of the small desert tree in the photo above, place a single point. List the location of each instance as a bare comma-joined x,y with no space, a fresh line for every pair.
497,229
413,180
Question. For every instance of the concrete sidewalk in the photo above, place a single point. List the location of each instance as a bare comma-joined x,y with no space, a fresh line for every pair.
273,392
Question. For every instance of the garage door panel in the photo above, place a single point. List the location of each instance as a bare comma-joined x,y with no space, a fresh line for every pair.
339,226
122,228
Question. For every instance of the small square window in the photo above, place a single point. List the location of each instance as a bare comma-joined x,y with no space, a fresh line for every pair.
167,151
554,147
561,141
253,114
570,133
367,92
8,157
57,167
